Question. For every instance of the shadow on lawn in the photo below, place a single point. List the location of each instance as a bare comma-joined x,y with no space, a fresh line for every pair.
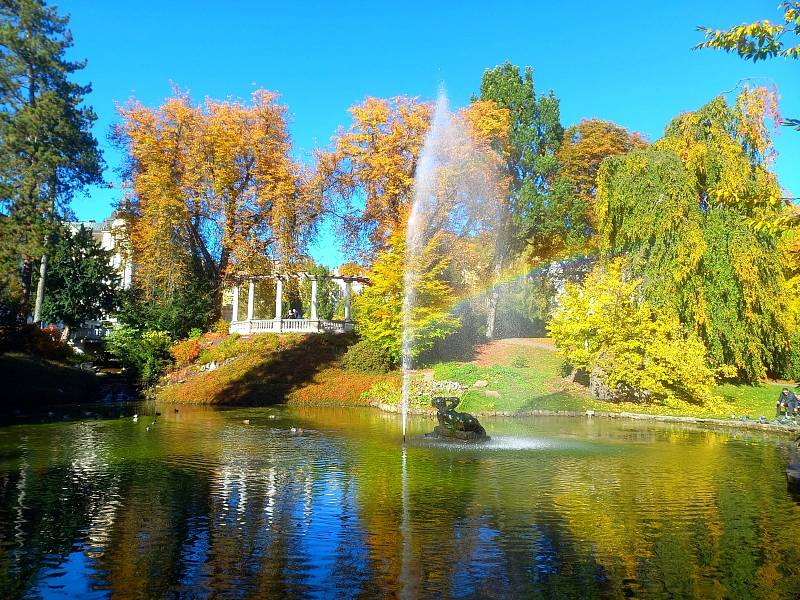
284,370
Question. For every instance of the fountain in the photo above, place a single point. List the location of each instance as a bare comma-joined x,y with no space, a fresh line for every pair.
456,198
456,425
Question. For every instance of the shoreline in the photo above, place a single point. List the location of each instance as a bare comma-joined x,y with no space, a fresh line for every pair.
587,414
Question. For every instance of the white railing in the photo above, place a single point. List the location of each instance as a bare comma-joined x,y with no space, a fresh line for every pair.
290,326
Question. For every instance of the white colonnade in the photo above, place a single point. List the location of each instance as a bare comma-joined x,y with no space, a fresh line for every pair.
280,324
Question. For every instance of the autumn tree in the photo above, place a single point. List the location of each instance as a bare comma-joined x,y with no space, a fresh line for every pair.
679,211
214,191
585,146
760,40
367,176
605,328
47,151
380,305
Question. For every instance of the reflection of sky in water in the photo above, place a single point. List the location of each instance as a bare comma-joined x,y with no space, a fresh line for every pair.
206,507
71,578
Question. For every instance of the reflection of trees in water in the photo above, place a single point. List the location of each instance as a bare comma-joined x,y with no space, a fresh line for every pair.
44,508
244,510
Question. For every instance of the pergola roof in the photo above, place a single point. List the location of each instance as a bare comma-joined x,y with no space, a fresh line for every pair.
239,277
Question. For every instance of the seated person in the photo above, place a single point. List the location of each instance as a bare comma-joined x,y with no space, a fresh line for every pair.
787,402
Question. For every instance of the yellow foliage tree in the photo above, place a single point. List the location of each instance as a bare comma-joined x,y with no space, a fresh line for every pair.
603,327
380,305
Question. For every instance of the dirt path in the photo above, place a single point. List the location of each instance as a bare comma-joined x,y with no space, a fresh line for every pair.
499,351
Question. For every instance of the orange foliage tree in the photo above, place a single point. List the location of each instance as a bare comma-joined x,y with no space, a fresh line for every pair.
367,176
584,148
213,190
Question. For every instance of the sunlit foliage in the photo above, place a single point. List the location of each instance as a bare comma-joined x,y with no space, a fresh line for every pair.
380,305
585,146
367,176
603,327
214,190
680,211
759,40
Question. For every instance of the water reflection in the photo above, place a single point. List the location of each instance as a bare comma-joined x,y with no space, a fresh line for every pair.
204,505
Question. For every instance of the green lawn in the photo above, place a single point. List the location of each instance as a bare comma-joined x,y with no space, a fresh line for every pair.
529,378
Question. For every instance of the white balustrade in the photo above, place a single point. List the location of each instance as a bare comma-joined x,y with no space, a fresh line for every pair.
290,326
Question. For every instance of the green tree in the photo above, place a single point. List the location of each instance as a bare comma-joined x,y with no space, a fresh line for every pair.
81,281
47,151
535,134
147,352
534,139
192,306
679,212
329,294
603,327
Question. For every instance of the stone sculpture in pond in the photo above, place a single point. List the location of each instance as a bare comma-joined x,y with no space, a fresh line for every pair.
456,425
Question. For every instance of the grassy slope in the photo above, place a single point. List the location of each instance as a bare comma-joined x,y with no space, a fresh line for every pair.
270,369
522,375
527,376
28,380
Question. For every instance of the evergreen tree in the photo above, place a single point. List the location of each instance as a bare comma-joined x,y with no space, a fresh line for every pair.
535,134
534,139
47,151
81,283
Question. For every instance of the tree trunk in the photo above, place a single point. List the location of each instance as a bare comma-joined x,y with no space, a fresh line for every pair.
491,316
65,334
37,311
494,297
27,279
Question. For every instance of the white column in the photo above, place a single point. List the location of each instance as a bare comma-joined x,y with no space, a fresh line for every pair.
347,300
278,298
235,307
251,299
314,299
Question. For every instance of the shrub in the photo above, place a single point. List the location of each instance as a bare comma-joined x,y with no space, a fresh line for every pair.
195,333
146,352
46,343
185,352
224,349
367,357
383,392
221,326
604,328
30,339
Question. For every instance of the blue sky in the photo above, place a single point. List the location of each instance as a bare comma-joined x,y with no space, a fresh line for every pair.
630,62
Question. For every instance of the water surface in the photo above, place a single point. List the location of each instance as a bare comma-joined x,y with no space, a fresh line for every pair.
204,505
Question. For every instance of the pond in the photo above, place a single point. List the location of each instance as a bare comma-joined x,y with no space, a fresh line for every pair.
205,505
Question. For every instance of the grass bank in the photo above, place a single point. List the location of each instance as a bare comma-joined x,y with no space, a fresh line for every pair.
31,381
506,376
268,369
524,375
